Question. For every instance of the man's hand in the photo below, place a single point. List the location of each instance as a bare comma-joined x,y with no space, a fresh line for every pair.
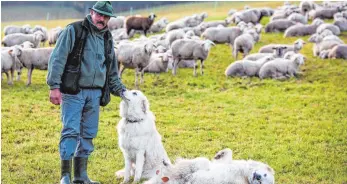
55,96
122,95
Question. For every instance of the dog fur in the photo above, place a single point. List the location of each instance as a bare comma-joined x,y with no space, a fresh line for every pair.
139,139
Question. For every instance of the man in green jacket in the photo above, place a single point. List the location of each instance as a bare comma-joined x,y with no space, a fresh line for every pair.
80,109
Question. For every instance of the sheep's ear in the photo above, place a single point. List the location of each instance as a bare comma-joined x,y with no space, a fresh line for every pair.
157,172
165,179
10,51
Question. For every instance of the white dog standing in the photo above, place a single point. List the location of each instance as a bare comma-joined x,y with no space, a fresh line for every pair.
139,139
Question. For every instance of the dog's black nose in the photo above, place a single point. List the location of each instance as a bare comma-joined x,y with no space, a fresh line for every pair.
134,93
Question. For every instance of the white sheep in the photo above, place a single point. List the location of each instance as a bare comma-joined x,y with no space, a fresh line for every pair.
326,44
231,12
10,29
278,52
53,35
303,30
281,68
205,25
34,58
331,27
158,62
116,23
298,45
222,35
306,6
44,32
341,23
174,35
121,34
134,55
297,17
245,42
338,52
325,13
10,62
190,49
279,25
159,25
246,68
19,38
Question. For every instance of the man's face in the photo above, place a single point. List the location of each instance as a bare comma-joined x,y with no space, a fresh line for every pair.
99,20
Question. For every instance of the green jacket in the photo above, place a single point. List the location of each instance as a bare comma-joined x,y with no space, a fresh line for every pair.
93,66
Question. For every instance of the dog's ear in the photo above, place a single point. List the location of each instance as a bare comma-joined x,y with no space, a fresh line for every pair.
165,179
144,106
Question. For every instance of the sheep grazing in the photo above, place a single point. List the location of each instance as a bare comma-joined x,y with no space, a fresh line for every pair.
245,42
116,23
190,49
10,62
298,45
246,68
338,52
19,38
282,68
331,27
53,35
303,30
279,25
139,23
25,29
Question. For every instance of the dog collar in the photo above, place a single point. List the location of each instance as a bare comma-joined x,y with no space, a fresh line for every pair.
134,121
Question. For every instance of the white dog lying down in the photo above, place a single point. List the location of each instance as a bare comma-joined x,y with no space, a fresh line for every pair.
139,139
222,170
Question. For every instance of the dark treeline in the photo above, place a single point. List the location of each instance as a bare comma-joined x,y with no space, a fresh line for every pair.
83,6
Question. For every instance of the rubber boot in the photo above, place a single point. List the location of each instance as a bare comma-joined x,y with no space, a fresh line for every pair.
80,171
65,172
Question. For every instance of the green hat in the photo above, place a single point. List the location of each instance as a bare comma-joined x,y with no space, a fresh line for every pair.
103,7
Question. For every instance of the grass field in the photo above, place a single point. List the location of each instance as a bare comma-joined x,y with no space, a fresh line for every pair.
298,126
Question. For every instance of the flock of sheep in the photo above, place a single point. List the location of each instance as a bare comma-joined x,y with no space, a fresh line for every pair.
189,39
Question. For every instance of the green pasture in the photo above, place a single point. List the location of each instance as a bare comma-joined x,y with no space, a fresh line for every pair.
297,126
